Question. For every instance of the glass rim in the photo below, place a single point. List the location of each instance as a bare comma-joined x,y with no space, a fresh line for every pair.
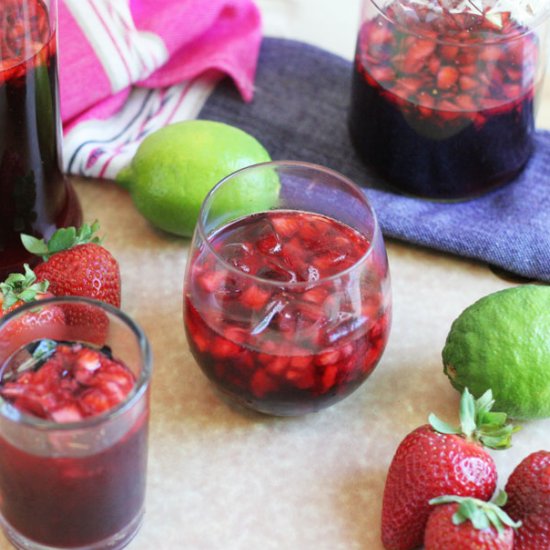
12,414
530,28
289,164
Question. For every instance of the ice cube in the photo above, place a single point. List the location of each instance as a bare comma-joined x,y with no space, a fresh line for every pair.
270,312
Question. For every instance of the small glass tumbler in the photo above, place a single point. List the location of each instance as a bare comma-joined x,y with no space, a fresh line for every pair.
287,300
35,198
76,484
444,92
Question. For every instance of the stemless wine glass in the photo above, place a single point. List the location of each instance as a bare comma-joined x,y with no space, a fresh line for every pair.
74,480
444,92
287,300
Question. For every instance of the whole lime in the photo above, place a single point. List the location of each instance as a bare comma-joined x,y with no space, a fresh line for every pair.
502,343
175,167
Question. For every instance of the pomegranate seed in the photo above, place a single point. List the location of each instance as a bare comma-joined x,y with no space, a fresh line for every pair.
317,295
300,362
380,34
512,91
434,64
466,102
411,85
449,53
327,357
285,226
224,349
467,83
447,77
278,365
262,384
490,53
469,70
329,377
383,74
254,297
300,378
212,281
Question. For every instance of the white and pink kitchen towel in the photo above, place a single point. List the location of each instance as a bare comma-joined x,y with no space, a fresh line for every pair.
129,67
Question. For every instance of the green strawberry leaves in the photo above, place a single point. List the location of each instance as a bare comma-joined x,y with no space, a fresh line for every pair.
443,427
63,239
482,515
21,287
478,423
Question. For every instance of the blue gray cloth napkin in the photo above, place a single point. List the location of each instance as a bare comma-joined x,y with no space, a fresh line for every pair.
299,112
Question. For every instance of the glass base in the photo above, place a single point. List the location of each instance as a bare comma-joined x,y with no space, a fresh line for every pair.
114,542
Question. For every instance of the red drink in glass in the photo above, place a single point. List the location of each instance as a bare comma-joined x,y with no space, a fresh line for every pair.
443,101
73,444
287,311
34,196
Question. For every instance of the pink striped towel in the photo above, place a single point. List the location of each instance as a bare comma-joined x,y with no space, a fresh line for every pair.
129,67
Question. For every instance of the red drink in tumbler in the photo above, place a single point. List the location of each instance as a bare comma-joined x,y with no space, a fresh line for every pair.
73,426
280,315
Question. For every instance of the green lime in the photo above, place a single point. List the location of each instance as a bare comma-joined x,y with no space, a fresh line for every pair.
175,167
502,343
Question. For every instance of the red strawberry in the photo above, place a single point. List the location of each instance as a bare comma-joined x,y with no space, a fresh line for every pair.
76,264
528,491
437,459
464,523
42,322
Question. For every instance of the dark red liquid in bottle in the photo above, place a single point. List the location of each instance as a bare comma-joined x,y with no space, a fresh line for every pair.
34,196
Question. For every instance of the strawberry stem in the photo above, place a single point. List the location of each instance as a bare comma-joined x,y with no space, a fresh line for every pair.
63,239
21,287
481,514
478,423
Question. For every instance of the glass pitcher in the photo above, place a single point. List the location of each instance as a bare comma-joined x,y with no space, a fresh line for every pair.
35,197
444,92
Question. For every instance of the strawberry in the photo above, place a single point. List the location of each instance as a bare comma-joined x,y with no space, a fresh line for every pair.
19,289
528,489
438,459
76,264
464,523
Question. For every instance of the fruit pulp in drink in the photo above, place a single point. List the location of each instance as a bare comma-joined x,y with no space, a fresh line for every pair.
287,312
436,111
53,495
34,196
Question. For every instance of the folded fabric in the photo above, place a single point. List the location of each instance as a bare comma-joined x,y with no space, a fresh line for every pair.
299,112
128,67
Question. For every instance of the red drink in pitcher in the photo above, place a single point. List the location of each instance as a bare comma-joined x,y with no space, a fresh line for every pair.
34,196
443,96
